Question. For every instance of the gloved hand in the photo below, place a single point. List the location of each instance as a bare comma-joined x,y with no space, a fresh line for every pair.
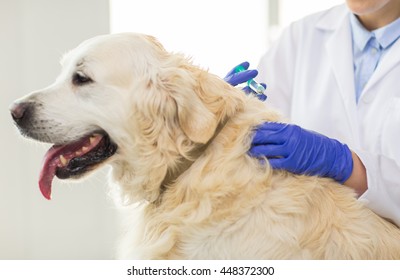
301,151
235,78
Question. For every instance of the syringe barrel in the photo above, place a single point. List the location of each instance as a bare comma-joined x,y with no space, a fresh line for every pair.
258,88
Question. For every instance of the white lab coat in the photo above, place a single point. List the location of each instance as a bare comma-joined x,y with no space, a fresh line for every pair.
309,73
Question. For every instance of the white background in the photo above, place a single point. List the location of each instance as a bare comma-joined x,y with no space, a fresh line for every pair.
81,222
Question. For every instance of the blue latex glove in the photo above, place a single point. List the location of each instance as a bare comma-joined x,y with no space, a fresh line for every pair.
301,151
235,78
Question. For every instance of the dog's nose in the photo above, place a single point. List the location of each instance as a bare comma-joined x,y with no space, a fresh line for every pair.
18,111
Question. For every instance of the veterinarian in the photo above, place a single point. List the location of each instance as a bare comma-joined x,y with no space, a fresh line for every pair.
337,72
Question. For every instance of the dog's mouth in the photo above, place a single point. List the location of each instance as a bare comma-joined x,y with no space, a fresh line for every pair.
74,159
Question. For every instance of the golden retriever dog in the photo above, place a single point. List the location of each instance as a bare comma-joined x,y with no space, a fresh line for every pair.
176,138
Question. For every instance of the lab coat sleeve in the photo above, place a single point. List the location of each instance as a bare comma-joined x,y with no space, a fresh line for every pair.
277,68
383,192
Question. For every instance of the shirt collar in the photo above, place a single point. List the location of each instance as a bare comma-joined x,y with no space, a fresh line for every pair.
360,34
386,35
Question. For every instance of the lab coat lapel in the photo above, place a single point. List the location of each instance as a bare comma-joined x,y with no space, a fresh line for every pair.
390,60
339,51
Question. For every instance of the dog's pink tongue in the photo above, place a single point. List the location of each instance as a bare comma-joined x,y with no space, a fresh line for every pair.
50,162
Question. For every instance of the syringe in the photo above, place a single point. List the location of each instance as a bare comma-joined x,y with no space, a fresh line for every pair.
256,87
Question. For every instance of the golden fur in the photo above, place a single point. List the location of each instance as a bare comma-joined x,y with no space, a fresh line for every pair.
182,165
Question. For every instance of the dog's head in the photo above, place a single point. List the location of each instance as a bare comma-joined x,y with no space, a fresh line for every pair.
123,99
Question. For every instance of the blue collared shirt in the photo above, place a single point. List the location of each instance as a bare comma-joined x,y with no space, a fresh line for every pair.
368,49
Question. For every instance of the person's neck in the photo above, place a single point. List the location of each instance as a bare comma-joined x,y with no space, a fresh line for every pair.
381,18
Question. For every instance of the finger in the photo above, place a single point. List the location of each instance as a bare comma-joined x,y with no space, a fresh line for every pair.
268,135
273,126
262,97
248,90
269,151
244,64
241,77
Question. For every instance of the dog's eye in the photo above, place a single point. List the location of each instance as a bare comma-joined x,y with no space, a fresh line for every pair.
79,79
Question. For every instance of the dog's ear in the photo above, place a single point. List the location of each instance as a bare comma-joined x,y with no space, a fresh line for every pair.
203,100
195,119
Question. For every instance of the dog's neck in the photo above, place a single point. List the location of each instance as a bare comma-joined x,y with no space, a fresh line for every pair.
185,163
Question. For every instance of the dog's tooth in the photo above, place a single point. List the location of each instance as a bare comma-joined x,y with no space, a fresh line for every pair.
92,139
84,149
63,160
78,153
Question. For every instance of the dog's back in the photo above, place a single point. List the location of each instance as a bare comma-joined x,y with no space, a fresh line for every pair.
227,205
